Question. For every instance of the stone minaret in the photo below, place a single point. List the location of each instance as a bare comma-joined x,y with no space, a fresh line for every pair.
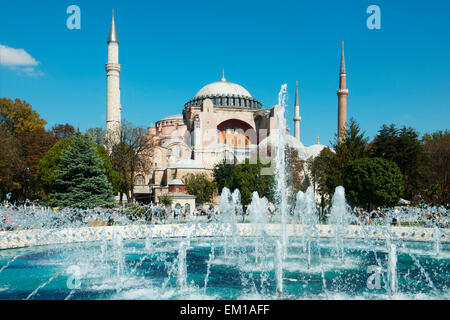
342,98
113,106
297,117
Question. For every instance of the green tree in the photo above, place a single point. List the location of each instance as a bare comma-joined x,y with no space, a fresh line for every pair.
373,181
429,137
404,148
327,169
165,200
200,186
81,180
353,146
246,177
223,175
326,172
113,176
50,164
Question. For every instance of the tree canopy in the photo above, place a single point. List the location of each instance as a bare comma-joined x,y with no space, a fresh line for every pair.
50,164
373,181
130,155
403,146
200,186
81,180
23,131
17,117
328,168
437,184
62,131
246,177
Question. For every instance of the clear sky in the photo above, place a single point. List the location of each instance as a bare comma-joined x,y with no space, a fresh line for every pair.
170,49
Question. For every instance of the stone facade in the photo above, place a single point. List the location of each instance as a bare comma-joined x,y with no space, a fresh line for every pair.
222,121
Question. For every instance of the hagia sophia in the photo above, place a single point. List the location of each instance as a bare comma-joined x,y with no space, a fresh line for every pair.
222,121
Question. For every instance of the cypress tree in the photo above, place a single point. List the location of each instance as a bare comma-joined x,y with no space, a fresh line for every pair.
81,180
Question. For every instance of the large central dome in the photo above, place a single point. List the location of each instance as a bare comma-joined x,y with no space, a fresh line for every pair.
225,94
223,88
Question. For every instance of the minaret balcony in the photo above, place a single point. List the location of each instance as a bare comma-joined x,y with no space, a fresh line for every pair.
112,67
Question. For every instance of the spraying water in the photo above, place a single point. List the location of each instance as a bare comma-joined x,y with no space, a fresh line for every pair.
117,243
227,208
182,268
280,169
148,240
340,218
309,219
279,268
392,270
258,217
437,242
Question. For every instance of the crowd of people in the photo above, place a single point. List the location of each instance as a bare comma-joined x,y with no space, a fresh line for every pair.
22,217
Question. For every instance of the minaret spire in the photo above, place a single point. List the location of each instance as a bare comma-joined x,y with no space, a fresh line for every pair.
297,117
113,32
342,99
342,71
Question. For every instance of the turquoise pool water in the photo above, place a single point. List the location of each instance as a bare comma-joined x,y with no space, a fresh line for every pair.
217,270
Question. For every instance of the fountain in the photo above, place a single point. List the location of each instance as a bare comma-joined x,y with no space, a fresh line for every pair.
120,257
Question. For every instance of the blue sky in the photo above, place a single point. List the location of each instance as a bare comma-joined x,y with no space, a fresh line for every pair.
170,49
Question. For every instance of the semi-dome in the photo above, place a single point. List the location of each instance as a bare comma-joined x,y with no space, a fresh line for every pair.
223,88
174,117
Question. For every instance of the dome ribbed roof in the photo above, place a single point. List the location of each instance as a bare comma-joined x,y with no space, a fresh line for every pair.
223,88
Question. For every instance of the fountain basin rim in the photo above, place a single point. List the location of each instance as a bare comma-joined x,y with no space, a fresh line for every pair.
36,237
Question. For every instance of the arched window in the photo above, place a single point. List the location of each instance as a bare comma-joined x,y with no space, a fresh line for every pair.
139,180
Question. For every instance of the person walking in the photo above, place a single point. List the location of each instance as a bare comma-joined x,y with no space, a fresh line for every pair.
182,213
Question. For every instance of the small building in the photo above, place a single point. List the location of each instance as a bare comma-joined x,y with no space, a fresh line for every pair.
180,198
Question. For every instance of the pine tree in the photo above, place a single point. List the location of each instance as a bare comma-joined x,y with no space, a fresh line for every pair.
81,181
